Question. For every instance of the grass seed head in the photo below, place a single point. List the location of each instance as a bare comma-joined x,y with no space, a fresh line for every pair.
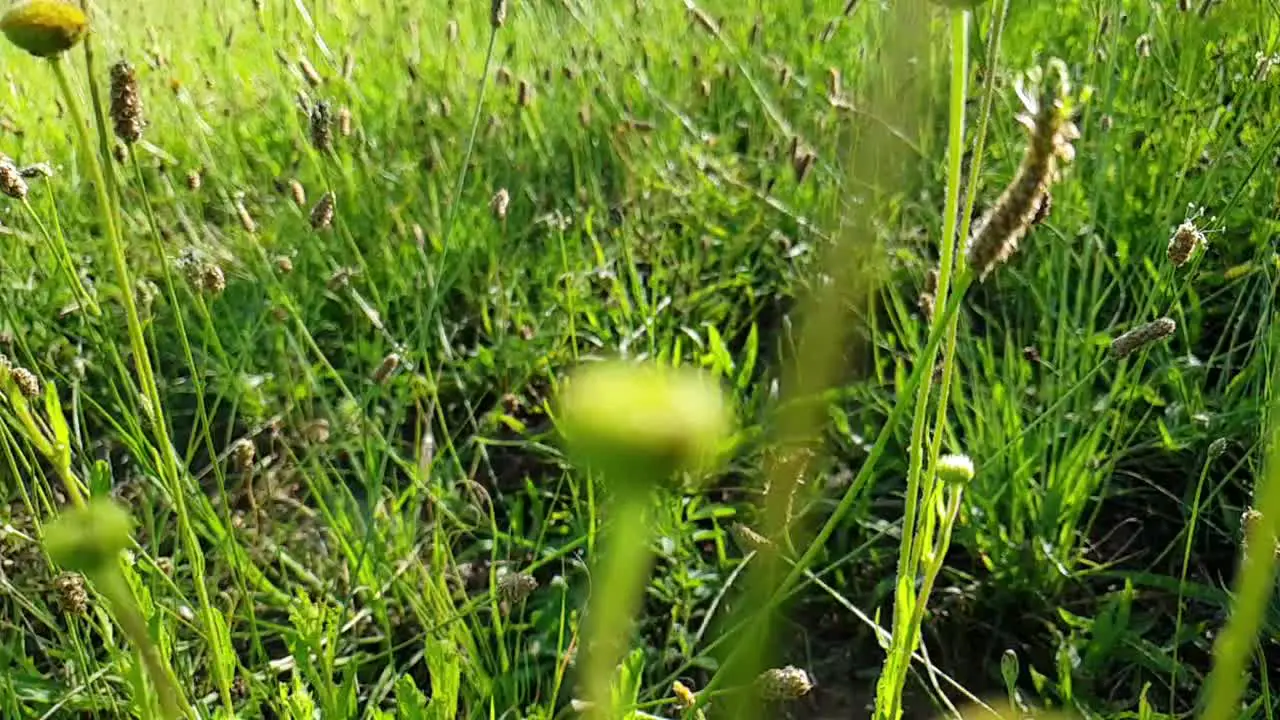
194,179
322,214
309,73
26,382
1045,94
322,126
1142,46
126,102
88,539
1142,336
212,279
748,539
928,304
500,203
73,598
1186,240
44,28
242,454
246,220
786,683
498,14
12,182
298,193
36,171
344,122
388,366
513,587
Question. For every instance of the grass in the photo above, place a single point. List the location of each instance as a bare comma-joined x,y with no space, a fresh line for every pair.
367,510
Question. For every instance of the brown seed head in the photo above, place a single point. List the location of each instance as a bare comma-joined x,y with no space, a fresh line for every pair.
500,203
344,121
927,302
748,539
1142,336
12,182
242,454
126,103
1184,243
298,193
309,73
212,280
498,14
788,683
194,179
997,233
931,281
73,598
514,587
26,382
1143,46
322,214
246,220
386,368
322,126
36,171
835,85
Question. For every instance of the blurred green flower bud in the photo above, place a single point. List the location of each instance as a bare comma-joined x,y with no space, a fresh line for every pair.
955,469
87,539
44,28
643,422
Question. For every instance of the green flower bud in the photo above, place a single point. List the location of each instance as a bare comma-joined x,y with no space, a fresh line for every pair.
44,28
642,422
87,539
955,469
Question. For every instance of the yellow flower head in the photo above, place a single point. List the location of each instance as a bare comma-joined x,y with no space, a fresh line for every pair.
641,422
44,28
87,539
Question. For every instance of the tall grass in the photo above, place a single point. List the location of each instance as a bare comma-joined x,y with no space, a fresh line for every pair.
338,436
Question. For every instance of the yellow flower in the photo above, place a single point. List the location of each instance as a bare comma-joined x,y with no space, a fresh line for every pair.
642,422
88,539
44,28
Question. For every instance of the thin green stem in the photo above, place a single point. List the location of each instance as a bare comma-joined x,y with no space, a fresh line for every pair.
1254,585
617,589
63,257
112,585
1182,577
917,481
141,357
936,561
224,683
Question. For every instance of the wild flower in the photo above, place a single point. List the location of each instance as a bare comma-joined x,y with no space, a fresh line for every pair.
44,28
